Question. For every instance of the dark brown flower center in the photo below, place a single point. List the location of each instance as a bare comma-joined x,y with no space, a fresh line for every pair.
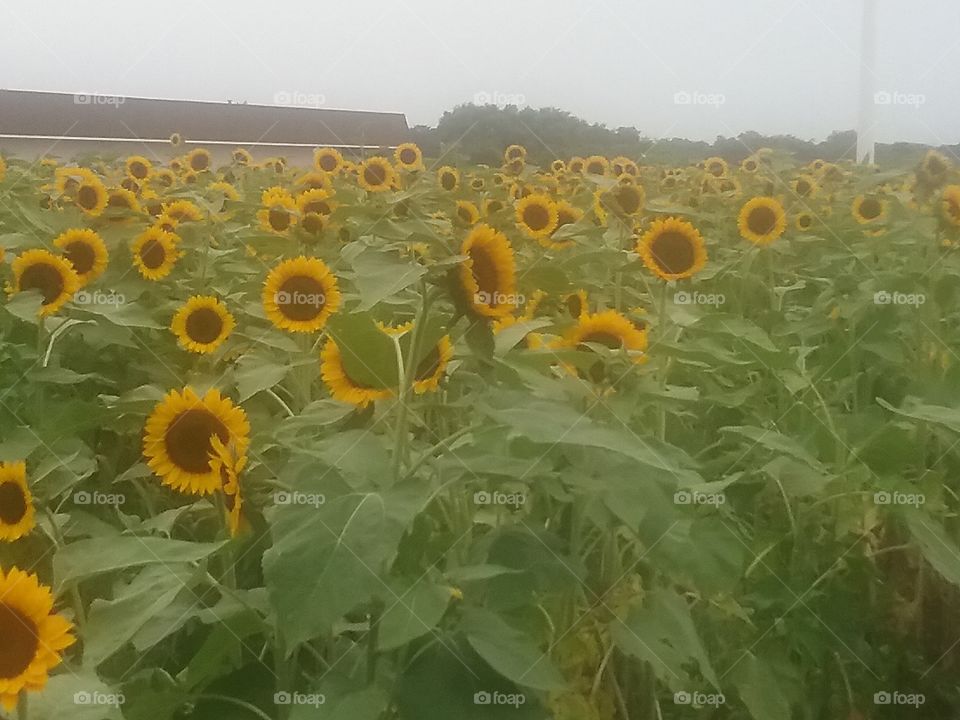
408,156
153,254
279,218
536,216
87,197
375,175
673,252
870,208
328,162
628,198
45,278
81,255
204,325
187,440
484,271
13,503
200,161
762,220
448,181
138,170
20,639
301,298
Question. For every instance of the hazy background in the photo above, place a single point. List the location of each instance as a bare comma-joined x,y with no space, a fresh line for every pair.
775,66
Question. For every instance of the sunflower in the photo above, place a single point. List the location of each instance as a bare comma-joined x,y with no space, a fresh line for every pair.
279,212
467,212
933,168
950,204
341,386
52,275
477,183
16,502
576,164
567,214
610,329
514,152
224,189
138,167
183,211
433,367
750,165
91,196
315,201
177,441
536,215
151,202
198,159
805,186
164,177
67,180
33,637
328,160
488,275
300,295
408,156
448,178
202,324
86,252
762,220
228,465
176,139
155,252
672,249
558,166
376,174
491,206
596,165
242,156
627,199
803,221
716,166
315,181
868,209
515,166
123,202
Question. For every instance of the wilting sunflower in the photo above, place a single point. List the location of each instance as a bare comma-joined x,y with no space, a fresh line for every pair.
762,220
448,178
199,159
376,174
177,438
514,152
805,186
595,165
300,295
867,209
228,465
53,276
672,249
91,196
183,211
86,252
950,204
33,636
341,386
138,167
467,212
408,156
155,253
536,215
202,324
328,160
610,329
433,367
488,275
279,212
242,156
716,166
803,221
16,502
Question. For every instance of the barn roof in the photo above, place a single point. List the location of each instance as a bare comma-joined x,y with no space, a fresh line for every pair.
66,115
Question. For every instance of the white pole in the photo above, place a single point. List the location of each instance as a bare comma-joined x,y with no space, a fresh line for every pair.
868,56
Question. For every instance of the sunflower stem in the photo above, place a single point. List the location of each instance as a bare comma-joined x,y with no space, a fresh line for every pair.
663,324
22,712
406,371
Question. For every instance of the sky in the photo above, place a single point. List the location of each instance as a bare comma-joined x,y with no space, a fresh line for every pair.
672,68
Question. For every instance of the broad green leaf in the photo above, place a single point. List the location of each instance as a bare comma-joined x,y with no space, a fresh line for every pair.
759,690
510,652
368,354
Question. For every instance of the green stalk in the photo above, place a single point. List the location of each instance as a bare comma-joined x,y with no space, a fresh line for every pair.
22,705
407,371
662,325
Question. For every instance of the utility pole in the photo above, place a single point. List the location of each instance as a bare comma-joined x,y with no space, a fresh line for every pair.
868,55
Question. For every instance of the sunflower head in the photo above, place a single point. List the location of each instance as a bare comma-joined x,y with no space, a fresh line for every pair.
514,152
202,324
279,213
611,330
869,209
576,165
16,502
448,178
595,165
433,367
762,220
408,156
199,159
467,212
155,253
803,221
91,196
805,186
342,387
536,215
715,166
183,211
488,275
750,165
328,160
176,139
672,249
300,295
242,156
376,174
558,166
228,464
51,275
138,167
85,251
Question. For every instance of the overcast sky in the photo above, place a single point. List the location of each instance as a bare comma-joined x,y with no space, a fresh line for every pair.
685,68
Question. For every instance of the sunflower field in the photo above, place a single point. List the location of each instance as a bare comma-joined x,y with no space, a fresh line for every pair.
395,438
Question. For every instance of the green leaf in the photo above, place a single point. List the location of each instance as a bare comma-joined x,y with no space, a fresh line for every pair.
917,410
772,440
937,547
759,690
510,652
367,353
255,373
77,695
379,275
413,613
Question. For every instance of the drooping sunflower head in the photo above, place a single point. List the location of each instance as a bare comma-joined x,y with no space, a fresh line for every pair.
85,251
595,165
933,168
138,167
488,275
805,186
575,304
672,249
609,329
155,253
467,212
52,276
716,166
376,174
950,205
536,215
226,463
492,206
199,159
868,209
342,387
300,295
33,636
448,178
433,367
328,160
515,166
762,220
408,156
17,516
202,324
177,442
626,199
